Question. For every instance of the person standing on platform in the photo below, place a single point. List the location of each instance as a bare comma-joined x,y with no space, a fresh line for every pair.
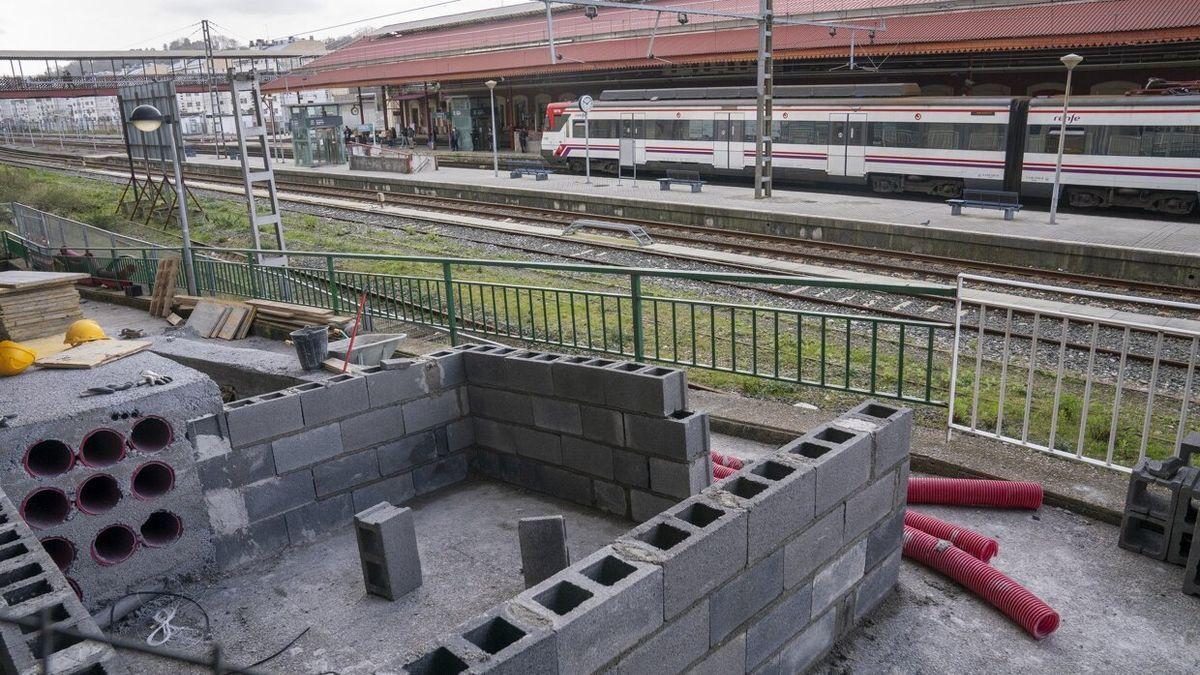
454,139
523,135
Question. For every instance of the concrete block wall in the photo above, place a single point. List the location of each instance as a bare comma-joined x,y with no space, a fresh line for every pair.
31,584
284,467
613,435
760,573
108,482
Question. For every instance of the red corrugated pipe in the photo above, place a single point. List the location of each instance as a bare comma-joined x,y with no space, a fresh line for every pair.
1017,603
968,492
726,460
721,471
968,540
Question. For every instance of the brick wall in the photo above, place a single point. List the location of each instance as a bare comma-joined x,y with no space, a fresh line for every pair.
760,573
283,467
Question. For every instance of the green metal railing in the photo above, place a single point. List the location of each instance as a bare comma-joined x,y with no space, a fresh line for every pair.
874,356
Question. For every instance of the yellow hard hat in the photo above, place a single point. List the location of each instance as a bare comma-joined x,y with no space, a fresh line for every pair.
84,330
14,358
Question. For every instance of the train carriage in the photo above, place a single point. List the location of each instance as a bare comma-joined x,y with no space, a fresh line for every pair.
1130,151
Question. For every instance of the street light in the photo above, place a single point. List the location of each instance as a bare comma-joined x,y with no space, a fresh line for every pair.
491,85
1070,61
147,119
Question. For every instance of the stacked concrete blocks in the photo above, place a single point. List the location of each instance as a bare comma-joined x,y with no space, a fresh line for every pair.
387,549
32,586
759,573
283,467
610,434
110,479
1159,512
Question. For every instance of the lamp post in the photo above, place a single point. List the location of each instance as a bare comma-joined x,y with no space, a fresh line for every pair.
147,119
491,85
1070,61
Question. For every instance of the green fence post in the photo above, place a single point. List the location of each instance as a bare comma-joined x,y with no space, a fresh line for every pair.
333,294
639,339
451,319
253,275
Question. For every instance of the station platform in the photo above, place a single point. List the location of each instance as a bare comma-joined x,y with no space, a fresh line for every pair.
1151,249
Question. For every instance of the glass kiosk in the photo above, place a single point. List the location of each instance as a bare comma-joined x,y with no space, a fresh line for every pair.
317,135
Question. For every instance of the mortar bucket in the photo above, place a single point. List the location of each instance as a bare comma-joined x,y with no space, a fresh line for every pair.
312,346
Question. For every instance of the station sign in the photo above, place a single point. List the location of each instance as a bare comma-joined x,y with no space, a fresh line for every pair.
325,121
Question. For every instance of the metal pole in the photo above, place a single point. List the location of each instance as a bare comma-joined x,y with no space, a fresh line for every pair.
587,146
550,34
1062,140
762,138
495,151
189,272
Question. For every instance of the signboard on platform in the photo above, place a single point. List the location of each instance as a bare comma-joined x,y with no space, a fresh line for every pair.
154,145
325,121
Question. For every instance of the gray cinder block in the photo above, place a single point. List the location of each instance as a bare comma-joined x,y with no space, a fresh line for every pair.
728,658
396,490
588,457
510,643
254,420
680,436
439,474
778,497
459,435
580,378
559,416
1151,504
530,372
778,626
670,650
407,452
1187,514
501,405
387,548
446,369
565,484
678,479
605,594
742,597
308,447
278,494
431,411
544,552
804,554
208,425
645,505
538,445
237,468
397,363
388,387
312,520
632,469
806,648
700,545
253,542
372,428
868,506
333,398
649,390
345,472
494,435
885,538
484,365
602,425
611,497
877,584
842,458
893,437
837,578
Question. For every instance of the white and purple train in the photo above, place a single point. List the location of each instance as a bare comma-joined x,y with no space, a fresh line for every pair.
1133,151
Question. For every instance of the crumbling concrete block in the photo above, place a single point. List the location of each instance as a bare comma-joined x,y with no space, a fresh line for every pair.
605,594
544,552
254,420
842,458
387,548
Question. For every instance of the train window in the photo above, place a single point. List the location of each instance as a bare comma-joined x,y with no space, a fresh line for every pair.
661,129
697,130
1174,141
1076,143
577,129
602,128
941,136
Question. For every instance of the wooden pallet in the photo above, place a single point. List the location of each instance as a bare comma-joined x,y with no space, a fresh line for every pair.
163,295
92,354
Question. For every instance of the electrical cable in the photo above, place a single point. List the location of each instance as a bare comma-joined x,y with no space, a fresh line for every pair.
168,594
281,650
370,18
160,35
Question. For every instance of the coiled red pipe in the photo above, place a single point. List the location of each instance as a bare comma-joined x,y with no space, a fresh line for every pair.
968,492
989,583
970,541
726,460
720,471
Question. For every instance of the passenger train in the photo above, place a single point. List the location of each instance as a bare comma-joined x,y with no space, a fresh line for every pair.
1133,151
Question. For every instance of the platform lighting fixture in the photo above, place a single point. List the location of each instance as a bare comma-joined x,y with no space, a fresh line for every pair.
491,85
1070,61
683,19
148,119
832,32
591,12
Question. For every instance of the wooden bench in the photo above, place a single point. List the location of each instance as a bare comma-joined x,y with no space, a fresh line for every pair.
1000,200
535,169
689,178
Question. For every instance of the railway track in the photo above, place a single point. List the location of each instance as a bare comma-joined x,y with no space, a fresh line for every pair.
766,246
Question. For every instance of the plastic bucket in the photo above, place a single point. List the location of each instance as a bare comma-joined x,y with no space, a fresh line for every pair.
312,346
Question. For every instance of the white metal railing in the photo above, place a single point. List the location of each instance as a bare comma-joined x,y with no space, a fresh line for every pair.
1081,379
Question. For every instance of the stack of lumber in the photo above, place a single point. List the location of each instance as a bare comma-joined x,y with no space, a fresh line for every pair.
164,287
36,304
222,319
278,315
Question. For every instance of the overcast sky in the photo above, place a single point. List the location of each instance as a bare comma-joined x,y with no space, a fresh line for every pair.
127,24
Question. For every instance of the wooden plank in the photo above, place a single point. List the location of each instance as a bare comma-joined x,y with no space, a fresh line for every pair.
174,319
335,365
205,316
233,322
287,307
92,354
21,279
247,322
216,326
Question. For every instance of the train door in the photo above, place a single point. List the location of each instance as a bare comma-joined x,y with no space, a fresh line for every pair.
728,141
633,139
847,154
